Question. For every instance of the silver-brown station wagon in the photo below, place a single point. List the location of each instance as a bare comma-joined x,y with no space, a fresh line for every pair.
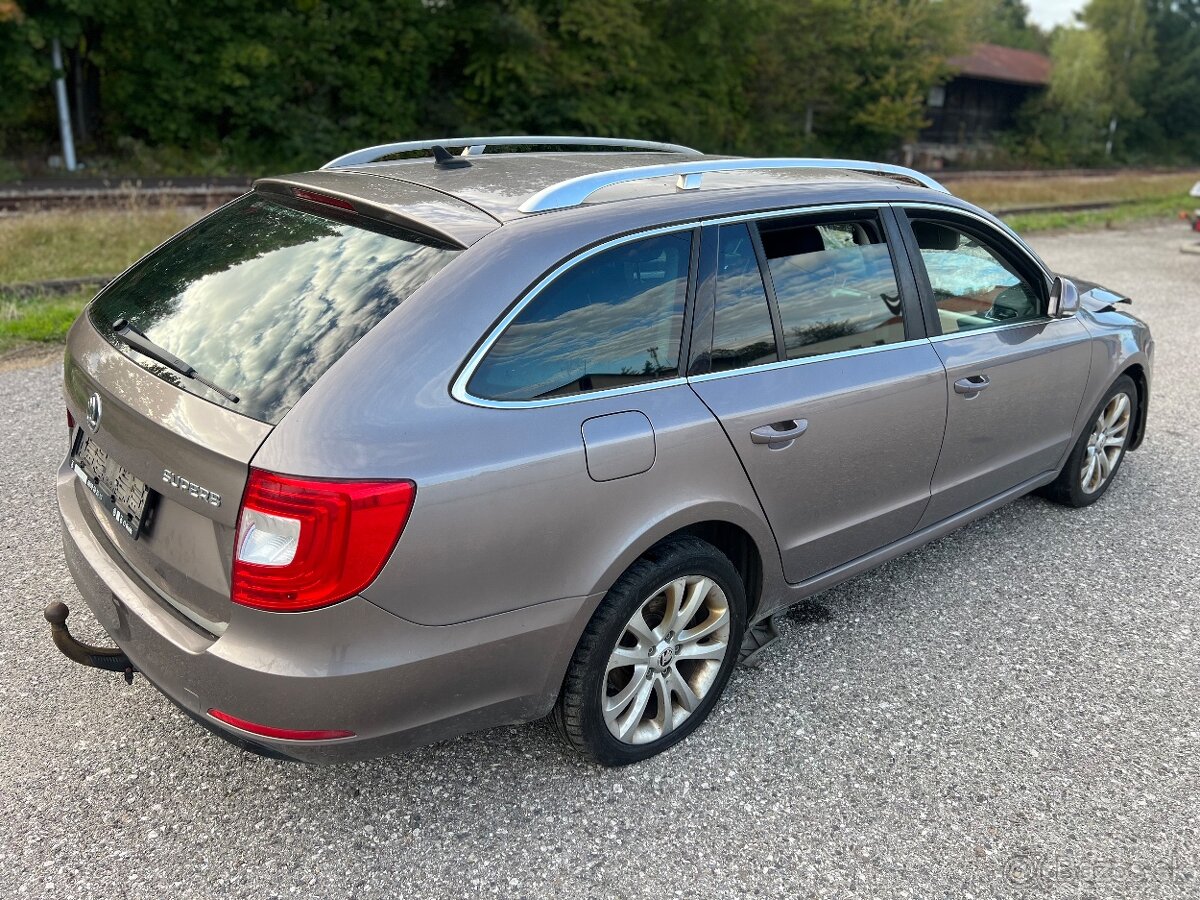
412,446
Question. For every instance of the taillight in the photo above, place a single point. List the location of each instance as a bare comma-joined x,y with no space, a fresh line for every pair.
70,422
303,543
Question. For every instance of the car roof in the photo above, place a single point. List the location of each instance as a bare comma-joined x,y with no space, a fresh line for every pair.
467,199
500,183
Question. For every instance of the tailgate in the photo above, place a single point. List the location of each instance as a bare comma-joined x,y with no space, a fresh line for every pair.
193,457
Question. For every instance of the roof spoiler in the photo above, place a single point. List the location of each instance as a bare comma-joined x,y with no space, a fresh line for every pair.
441,218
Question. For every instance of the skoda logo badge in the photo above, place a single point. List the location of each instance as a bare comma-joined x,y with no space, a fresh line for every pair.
93,411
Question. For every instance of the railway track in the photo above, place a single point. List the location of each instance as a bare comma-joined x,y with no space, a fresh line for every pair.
120,197
1059,207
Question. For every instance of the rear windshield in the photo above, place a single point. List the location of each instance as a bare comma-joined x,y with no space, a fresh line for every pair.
261,298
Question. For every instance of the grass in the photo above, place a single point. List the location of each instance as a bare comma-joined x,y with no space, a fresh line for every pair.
44,246
30,321
998,193
1162,209
1141,197
71,244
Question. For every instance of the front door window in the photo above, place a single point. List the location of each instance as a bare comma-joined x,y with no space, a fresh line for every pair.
973,286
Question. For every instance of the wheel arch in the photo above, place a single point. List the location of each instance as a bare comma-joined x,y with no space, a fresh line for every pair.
1137,372
737,544
747,543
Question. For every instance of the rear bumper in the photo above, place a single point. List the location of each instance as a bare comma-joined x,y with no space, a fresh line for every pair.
351,666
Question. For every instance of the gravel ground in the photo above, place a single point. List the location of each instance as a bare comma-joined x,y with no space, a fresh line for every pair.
1010,711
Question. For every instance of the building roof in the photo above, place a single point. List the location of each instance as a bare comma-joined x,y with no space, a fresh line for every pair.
991,62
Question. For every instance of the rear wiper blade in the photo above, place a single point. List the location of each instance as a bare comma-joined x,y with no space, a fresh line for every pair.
143,345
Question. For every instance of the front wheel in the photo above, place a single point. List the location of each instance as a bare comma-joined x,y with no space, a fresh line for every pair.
656,655
1098,453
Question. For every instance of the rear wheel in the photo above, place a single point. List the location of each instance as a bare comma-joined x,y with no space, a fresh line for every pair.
656,655
1098,453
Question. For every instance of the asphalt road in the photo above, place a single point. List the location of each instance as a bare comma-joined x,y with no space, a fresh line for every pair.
1011,711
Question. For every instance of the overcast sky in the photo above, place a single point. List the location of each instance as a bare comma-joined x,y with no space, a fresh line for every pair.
1049,13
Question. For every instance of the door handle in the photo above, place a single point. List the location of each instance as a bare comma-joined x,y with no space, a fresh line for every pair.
972,385
779,432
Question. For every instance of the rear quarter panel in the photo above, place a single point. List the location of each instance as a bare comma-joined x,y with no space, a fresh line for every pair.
509,516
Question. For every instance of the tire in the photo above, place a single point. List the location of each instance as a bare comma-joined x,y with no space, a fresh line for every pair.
1074,486
670,576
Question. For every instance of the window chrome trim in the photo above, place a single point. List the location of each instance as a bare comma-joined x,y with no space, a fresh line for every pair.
458,389
805,360
472,400
992,329
765,215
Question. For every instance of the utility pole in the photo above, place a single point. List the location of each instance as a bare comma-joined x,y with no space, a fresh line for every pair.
64,111
653,351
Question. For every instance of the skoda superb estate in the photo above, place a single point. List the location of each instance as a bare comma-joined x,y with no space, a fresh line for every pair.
414,445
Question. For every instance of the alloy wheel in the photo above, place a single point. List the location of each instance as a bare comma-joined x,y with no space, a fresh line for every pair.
1106,443
666,660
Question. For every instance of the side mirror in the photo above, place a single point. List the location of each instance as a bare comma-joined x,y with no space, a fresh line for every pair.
1064,298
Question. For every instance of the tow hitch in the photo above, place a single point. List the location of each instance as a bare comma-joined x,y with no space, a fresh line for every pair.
111,659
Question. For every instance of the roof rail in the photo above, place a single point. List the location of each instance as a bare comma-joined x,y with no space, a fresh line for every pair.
575,191
474,146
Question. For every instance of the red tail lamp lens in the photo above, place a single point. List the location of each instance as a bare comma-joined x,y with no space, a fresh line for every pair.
304,543
283,734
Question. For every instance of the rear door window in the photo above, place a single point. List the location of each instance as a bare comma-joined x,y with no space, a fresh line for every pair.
261,298
612,320
742,331
834,284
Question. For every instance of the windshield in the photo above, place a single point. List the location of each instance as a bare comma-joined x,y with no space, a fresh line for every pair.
262,298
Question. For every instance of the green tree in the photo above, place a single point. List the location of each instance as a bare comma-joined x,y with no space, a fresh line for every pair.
1171,100
1006,22
289,82
22,72
664,69
894,52
1129,62
1078,105
25,67
793,75
295,81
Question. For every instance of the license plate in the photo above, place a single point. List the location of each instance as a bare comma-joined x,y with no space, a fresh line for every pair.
124,497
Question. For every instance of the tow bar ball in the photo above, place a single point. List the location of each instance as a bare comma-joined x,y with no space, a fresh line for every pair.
111,659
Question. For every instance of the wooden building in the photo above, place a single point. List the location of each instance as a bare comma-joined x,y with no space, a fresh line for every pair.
980,101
